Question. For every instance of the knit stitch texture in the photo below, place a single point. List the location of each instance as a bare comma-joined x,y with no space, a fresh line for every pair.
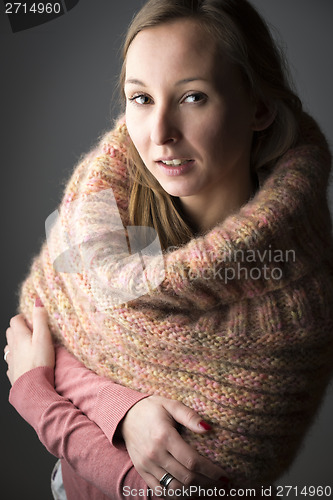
250,350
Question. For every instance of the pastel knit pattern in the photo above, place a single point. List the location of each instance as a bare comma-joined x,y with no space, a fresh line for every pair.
237,323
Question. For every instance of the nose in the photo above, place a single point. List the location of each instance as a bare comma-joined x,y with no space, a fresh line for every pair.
165,127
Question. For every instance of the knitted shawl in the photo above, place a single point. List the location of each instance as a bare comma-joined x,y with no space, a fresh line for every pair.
237,323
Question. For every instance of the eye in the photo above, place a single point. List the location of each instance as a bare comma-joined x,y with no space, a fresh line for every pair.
141,99
195,97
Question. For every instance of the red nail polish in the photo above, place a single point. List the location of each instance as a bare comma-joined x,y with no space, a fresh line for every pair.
206,426
38,302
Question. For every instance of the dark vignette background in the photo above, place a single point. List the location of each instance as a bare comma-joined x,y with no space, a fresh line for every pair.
57,82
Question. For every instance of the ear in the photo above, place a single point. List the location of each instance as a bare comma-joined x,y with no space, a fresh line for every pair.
264,115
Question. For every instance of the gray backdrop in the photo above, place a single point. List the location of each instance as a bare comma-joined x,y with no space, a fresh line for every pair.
57,84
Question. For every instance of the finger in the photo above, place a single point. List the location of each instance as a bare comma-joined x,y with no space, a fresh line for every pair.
187,417
181,461
41,331
14,319
17,334
9,334
168,464
19,325
182,475
152,483
6,354
153,480
192,460
28,323
172,486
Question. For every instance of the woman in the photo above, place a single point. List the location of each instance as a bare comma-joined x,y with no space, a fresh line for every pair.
227,168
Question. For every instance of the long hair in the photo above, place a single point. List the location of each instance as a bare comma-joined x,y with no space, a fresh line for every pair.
243,35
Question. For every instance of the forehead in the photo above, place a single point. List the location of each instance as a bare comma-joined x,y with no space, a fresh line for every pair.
177,48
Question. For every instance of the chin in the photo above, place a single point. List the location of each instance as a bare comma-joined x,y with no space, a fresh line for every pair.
179,191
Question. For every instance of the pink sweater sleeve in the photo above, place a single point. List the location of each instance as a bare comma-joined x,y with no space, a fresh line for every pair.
102,400
81,442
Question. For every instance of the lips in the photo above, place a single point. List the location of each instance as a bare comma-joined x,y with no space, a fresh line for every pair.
175,166
173,162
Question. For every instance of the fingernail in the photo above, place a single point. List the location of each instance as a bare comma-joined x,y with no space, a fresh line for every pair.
224,480
206,426
38,302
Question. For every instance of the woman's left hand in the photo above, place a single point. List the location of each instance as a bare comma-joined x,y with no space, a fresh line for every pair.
28,348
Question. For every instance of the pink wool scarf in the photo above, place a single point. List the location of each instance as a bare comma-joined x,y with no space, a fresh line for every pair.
237,323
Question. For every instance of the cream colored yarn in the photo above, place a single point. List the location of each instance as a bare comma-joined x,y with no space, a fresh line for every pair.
252,355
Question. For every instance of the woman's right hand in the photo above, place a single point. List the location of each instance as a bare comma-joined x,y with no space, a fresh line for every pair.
156,447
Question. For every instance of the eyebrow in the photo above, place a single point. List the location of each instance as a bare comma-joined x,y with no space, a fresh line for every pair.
134,81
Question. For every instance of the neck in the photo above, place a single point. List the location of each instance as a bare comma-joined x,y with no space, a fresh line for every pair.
206,210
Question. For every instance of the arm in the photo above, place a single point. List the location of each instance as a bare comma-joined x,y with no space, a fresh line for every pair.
81,442
149,430
103,401
146,424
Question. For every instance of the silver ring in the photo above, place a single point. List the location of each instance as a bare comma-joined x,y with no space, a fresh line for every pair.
5,356
166,480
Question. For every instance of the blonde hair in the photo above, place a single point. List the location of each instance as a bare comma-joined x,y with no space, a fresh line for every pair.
243,35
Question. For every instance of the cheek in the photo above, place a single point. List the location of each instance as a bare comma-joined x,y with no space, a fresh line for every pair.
137,128
239,118
138,134
228,132
226,139
134,130
212,136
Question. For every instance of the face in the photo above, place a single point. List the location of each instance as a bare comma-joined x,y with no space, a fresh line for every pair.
187,111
